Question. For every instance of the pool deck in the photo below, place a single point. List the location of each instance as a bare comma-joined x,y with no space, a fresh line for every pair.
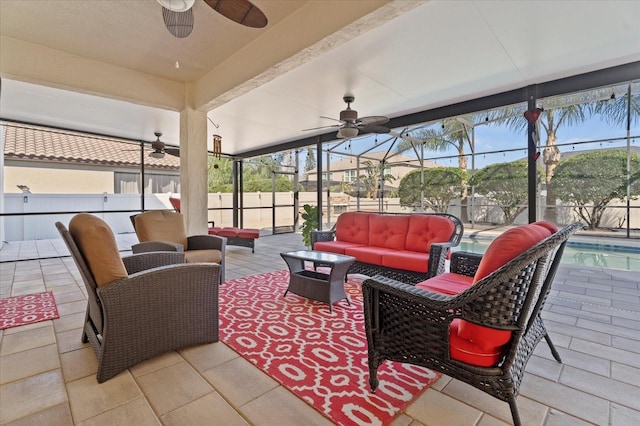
48,376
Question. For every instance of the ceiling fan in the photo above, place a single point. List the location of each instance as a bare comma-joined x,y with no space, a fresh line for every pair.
178,14
159,148
350,125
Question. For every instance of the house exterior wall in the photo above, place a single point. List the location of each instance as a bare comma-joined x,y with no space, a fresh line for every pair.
43,180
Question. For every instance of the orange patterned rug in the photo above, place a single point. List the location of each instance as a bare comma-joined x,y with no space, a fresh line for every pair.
318,355
27,309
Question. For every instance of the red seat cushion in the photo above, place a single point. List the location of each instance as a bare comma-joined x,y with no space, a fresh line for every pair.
368,254
407,260
214,230
337,247
424,230
353,227
388,231
248,233
229,231
448,283
471,352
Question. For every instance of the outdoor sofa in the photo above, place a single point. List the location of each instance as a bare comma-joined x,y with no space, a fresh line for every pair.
407,247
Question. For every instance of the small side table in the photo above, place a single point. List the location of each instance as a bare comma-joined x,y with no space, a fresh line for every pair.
315,285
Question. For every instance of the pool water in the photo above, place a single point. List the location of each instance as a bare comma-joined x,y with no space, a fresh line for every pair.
583,254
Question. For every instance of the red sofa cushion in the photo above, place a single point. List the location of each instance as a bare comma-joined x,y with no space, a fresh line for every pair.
248,233
337,247
214,230
353,227
448,283
407,260
424,230
368,254
229,231
471,352
388,231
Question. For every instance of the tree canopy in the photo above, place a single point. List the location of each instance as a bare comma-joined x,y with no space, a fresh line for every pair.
441,185
591,180
505,184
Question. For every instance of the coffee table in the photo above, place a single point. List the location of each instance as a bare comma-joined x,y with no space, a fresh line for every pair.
317,285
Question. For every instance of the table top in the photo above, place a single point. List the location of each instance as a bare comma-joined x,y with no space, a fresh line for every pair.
318,256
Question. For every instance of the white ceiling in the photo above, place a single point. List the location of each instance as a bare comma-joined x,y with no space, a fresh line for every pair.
436,54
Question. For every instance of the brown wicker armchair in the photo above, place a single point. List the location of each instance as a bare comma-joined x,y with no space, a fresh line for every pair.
142,305
163,230
409,324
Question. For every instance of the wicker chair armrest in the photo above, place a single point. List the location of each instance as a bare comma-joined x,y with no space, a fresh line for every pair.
206,242
438,256
317,236
143,261
465,263
149,246
408,292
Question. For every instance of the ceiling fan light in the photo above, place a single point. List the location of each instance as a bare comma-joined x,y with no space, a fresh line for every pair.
347,132
177,5
157,154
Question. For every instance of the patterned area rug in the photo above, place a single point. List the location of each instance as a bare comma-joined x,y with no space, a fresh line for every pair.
320,356
27,309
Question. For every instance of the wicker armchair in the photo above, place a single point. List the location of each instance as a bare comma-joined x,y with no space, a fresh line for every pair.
408,324
159,305
163,230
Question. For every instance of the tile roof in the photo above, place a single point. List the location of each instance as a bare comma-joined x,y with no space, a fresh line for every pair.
34,143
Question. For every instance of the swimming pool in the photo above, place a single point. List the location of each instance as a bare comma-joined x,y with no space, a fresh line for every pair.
611,256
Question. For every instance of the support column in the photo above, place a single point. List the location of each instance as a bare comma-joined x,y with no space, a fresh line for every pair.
193,171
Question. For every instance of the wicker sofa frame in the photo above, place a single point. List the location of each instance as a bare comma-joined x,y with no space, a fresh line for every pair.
437,254
164,304
407,324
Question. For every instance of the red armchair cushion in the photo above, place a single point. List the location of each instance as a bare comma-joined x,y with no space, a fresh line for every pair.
471,352
448,283
353,227
424,230
407,260
334,246
510,244
388,231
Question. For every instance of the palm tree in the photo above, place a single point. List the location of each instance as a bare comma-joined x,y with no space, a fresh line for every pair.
374,174
454,134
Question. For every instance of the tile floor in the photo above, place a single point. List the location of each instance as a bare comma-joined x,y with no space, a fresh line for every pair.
47,376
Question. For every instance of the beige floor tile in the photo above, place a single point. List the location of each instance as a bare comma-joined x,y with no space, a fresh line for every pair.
88,398
28,289
33,326
156,363
27,363
31,395
624,416
78,364
202,411
79,306
558,418
172,387
205,357
69,322
70,340
239,381
281,407
404,420
60,415
28,339
136,412
434,408
487,420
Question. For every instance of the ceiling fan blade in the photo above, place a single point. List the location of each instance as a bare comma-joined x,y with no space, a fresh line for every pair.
331,118
240,11
374,128
373,119
180,24
322,127
172,151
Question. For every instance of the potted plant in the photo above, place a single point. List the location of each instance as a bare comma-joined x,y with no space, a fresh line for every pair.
310,217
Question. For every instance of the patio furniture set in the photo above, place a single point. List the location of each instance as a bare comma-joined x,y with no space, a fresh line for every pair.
479,322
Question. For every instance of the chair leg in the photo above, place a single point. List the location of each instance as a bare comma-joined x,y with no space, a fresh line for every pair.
373,379
554,352
514,412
